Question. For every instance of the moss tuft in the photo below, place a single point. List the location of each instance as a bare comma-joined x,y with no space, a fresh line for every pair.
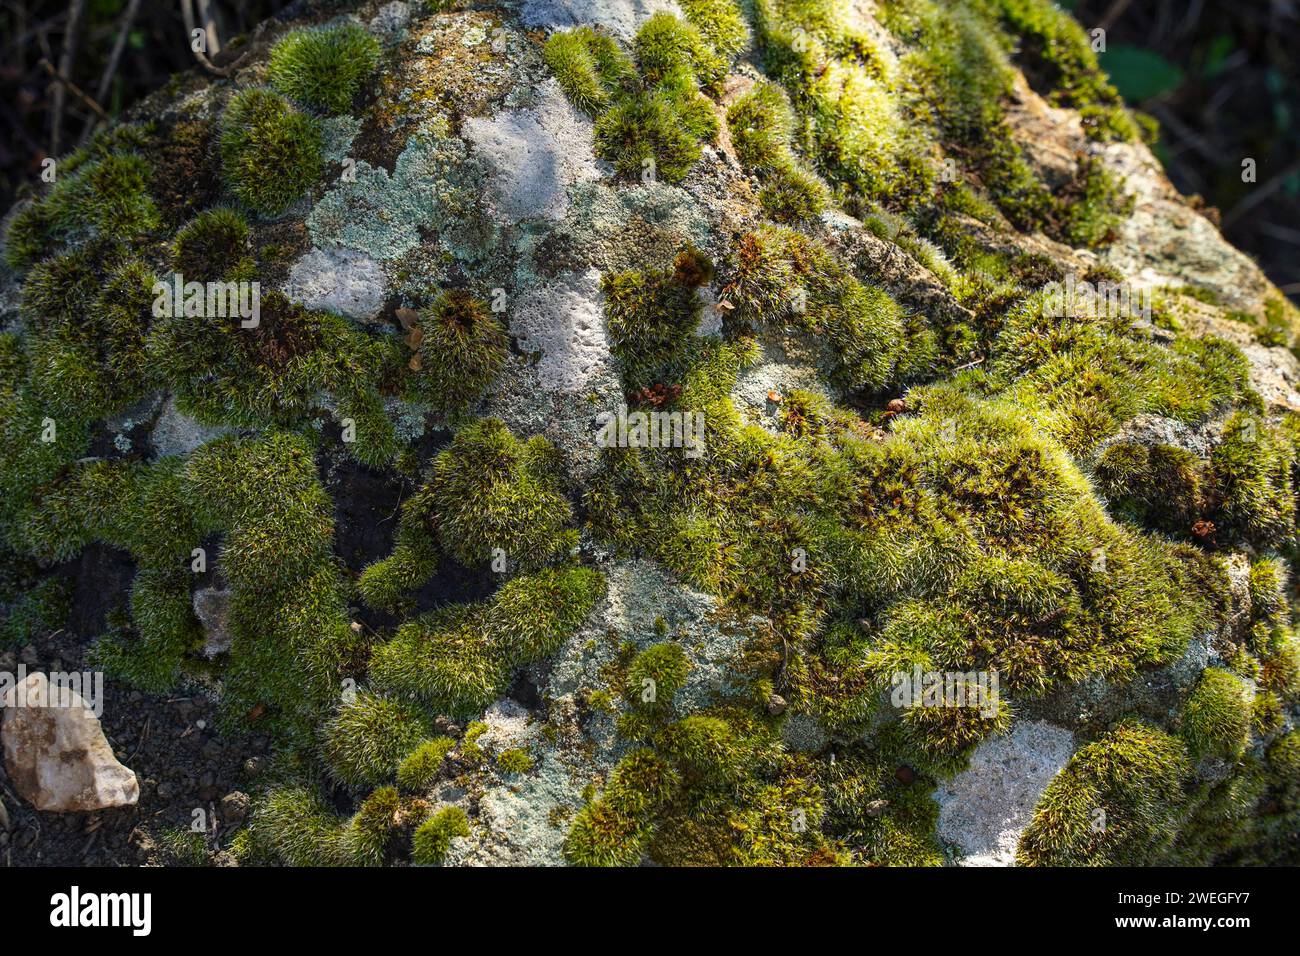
323,68
271,154
433,837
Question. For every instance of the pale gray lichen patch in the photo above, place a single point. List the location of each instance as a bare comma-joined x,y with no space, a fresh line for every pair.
640,594
175,433
564,320
343,281
337,134
620,17
536,155
984,809
391,19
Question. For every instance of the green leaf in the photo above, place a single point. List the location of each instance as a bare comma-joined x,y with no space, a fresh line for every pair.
1140,74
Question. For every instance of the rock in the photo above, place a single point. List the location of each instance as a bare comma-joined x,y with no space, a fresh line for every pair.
342,281
175,433
212,608
234,808
56,753
984,809
536,155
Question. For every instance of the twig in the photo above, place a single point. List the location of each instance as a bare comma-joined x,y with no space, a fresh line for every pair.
1259,194
210,30
119,45
65,69
74,89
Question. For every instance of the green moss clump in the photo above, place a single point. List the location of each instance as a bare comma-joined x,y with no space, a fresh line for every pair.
443,660
88,314
105,198
460,349
650,116
1250,482
651,315
1117,802
530,616
778,275
296,826
1059,58
721,24
490,491
364,838
273,372
324,68
271,154
366,739
762,130
457,660
1217,717
418,770
514,761
433,837
1157,486
616,829
588,65
32,612
654,677
214,246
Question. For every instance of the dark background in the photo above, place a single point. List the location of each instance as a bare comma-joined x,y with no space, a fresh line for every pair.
1221,76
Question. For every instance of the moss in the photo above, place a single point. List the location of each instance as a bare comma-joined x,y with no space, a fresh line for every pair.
323,68
1058,57
840,86
224,372
1094,206
762,131
650,116
1250,482
1117,802
421,766
654,677
667,47
292,635
298,827
363,839
779,275
652,131
460,347
212,247
105,198
459,659
270,153
443,660
1157,486
615,830
531,616
88,313
721,24
366,740
1217,717
490,491
34,612
514,761
433,837
651,315
470,751
703,749
589,66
